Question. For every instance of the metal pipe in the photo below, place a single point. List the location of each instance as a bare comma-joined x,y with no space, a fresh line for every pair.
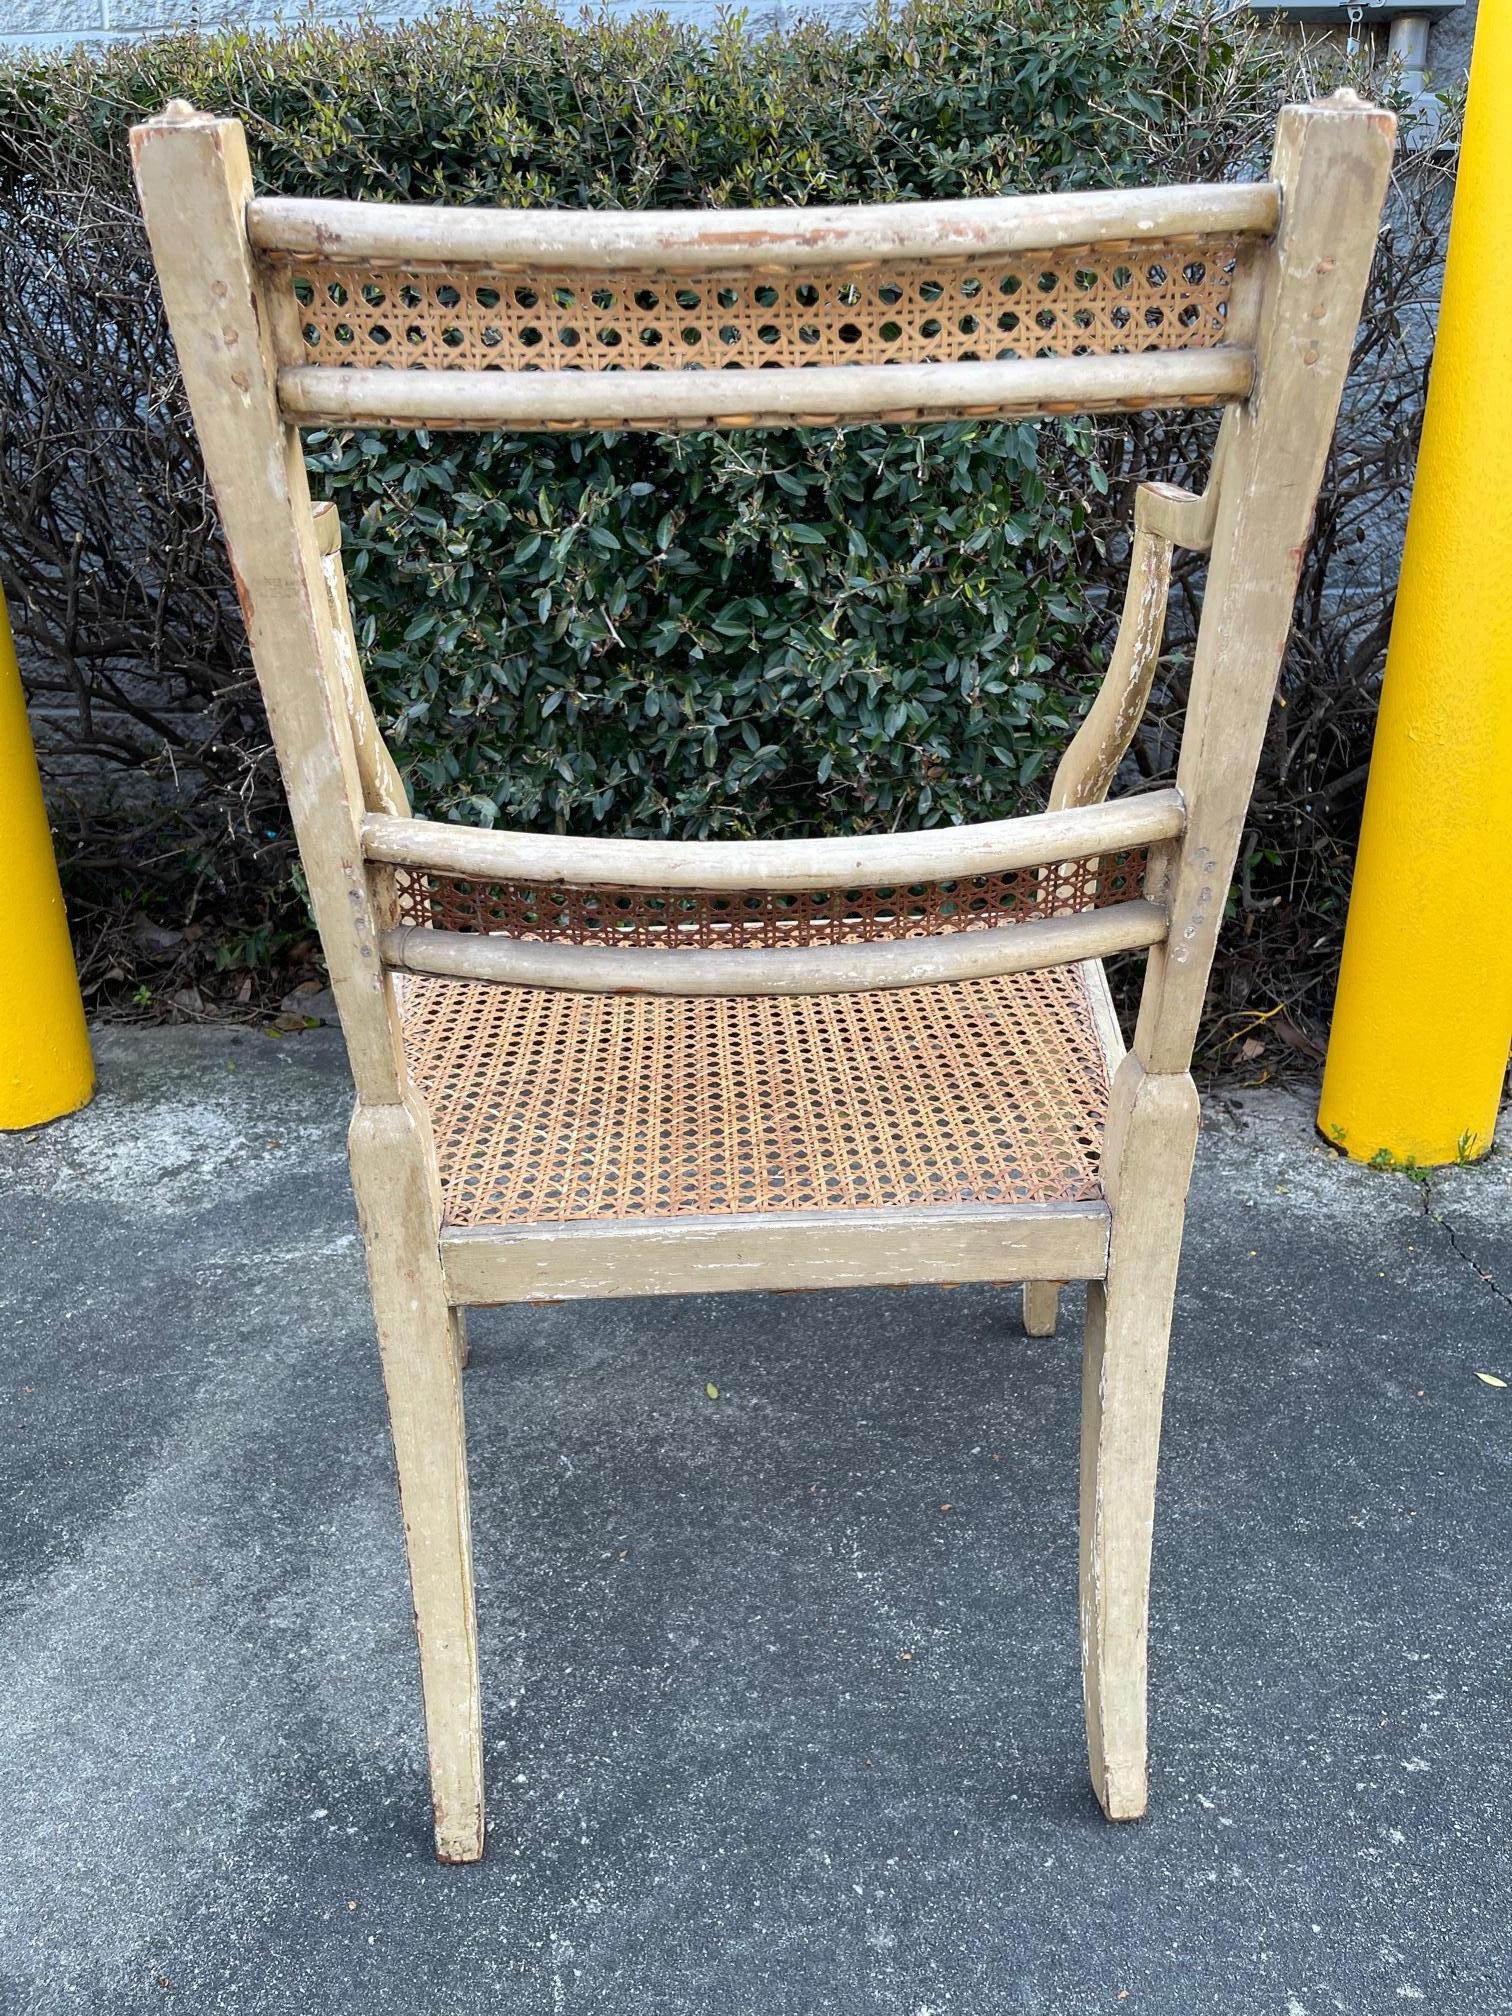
45,1066
1423,1021
1407,44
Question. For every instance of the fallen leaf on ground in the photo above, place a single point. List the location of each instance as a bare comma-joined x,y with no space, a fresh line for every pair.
1297,1039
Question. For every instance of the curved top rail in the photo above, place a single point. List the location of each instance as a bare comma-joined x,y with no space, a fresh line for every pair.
407,234
880,860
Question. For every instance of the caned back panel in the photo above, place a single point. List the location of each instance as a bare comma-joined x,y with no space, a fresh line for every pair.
1089,302
1100,300
742,919
365,298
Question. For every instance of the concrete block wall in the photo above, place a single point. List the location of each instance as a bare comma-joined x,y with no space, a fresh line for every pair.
51,24
58,24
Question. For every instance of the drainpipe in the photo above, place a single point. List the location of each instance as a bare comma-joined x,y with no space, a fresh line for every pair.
1407,44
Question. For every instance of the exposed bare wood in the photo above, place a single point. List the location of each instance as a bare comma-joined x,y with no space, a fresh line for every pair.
327,527
327,396
778,1249
708,240
857,861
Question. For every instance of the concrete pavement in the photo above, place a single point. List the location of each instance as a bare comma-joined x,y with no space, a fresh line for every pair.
781,1700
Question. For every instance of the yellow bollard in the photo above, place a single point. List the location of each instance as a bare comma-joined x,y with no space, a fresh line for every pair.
1423,1021
45,1065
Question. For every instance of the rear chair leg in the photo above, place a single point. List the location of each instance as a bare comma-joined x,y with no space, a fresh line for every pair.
1041,1307
1152,1131
398,1206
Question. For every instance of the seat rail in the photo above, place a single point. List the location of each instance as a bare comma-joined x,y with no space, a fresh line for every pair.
777,1249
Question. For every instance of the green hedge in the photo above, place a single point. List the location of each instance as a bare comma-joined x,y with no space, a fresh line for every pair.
753,633
757,633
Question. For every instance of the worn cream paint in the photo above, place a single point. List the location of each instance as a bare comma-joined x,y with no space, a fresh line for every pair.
867,860
664,401
705,240
808,969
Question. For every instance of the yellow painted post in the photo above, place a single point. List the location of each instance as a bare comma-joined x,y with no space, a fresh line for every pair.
1423,1021
45,1065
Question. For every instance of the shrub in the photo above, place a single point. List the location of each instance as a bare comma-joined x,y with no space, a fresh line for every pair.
768,632
691,635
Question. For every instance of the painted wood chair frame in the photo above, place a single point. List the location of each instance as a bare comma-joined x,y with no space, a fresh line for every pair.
286,314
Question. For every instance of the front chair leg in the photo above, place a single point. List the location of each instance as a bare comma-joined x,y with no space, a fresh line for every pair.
392,1175
1152,1131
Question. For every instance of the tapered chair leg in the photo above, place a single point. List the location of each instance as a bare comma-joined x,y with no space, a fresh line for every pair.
1041,1307
1152,1131
392,1175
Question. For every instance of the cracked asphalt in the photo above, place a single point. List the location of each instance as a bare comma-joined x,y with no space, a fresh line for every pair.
781,1700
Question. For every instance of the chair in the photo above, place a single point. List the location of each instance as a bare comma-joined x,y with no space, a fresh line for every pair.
590,1066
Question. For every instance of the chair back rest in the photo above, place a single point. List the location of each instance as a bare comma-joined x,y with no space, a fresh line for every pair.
1133,298
290,313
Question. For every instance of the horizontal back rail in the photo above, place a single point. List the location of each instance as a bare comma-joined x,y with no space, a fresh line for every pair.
937,853
825,969
666,401
392,234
